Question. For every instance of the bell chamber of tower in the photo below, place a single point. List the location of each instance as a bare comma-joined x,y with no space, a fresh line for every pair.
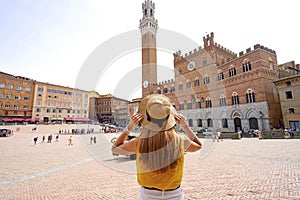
148,27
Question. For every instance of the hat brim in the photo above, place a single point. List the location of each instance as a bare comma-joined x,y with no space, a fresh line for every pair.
169,123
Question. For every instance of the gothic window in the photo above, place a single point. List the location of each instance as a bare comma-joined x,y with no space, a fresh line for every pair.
209,122
196,82
232,71
10,86
250,96
158,91
188,84
181,106
198,104
220,75
8,96
19,87
180,87
165,89
208,103
189,105
206,79
288,83
235,99
172,89
222,100
199,122
246,66
224,123
180,71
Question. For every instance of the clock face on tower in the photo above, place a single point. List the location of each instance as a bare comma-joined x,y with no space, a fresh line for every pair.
145,84
191,65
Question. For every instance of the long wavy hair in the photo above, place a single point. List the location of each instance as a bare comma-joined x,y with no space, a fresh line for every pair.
159,151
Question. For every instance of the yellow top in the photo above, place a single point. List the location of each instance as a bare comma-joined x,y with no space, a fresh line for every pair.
170,179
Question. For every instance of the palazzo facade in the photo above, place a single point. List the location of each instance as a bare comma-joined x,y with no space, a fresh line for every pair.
215,88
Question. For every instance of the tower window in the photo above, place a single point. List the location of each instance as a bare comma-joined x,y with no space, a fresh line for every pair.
220,76
289,95
291,110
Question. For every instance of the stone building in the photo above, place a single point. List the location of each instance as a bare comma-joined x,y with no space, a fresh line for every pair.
16,98
54,103
214,87
289,92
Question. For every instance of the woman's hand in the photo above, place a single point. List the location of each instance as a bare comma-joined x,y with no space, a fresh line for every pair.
181,120
135,120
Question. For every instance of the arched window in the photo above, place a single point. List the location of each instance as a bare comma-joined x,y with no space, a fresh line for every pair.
189,105
165,89
198,104
206,79
232,71
181,105
208,102
172,88
188,84
222,100
199,122
246,66
250,96
220,75
196,82
209,122
224,123
180,86
235,99
158,91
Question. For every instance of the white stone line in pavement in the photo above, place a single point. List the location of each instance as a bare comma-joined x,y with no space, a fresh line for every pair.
43,173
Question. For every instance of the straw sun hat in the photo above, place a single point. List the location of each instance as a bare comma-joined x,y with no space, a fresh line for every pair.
158,112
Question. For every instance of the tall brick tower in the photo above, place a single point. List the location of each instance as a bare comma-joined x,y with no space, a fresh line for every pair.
148,27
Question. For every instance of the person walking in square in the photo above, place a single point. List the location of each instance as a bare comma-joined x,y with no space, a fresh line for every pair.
70,141
159,148
35,140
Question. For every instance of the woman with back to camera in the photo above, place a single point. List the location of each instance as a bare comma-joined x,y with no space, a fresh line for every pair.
159,148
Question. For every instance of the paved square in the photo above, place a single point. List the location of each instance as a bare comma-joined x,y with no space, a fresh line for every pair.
232,169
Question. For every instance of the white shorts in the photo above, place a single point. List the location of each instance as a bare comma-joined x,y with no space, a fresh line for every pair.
146,194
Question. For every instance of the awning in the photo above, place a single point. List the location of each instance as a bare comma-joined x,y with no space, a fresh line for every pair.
80,119
12,119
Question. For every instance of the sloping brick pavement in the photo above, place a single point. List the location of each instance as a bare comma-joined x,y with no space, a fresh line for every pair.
232,169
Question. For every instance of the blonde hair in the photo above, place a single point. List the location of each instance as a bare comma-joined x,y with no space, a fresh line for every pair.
159,151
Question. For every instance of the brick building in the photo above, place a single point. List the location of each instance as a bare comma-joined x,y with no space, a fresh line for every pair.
110,109
16,98
214,87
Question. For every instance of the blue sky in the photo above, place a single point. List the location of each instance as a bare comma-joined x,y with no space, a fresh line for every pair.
49,40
